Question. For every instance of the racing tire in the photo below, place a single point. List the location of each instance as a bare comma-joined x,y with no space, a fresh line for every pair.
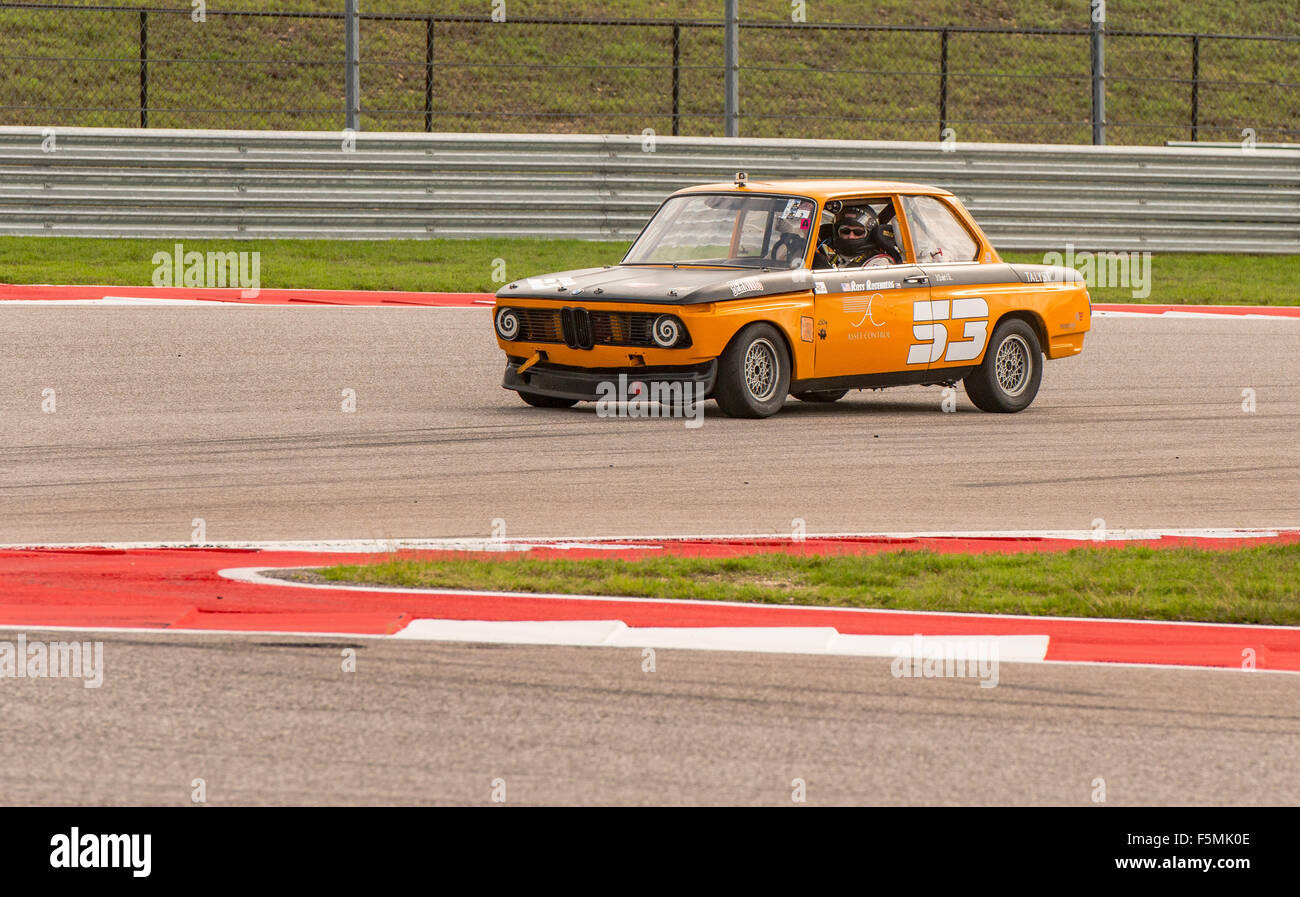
1008,379
753,373
541,401
826,395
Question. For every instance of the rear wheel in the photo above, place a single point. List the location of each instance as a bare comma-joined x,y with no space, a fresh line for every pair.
825,395
1008,379
541,401
753,373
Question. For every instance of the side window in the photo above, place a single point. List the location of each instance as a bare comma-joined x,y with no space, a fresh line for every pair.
937,235
883,241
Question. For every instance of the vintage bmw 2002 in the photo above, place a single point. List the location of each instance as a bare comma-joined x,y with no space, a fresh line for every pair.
748,292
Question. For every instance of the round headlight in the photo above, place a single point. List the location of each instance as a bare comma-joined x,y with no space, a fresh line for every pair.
666,331
508,323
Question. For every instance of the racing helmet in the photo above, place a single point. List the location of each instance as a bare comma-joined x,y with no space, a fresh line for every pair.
852,234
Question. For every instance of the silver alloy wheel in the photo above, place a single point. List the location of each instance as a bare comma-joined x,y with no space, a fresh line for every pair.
762,369
1013,365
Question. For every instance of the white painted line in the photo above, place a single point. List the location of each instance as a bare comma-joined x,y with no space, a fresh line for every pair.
115,301
591,633
258,576
762,639
151,300
1009,648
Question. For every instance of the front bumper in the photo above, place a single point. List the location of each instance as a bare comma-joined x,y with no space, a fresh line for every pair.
563,382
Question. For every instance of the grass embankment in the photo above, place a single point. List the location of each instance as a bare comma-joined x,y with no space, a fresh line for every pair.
468,266
81,68
418,265
1250,585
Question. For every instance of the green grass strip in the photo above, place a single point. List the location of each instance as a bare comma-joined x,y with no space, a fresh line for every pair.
1259,584
483,265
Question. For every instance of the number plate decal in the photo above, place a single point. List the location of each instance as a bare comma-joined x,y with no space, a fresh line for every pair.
931,332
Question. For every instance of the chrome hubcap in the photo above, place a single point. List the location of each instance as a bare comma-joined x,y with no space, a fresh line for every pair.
761,369
1012,365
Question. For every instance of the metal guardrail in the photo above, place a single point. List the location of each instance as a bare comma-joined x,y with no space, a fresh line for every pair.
258,184
1233,144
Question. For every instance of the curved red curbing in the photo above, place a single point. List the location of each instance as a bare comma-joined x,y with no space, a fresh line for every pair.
57,293
182,589
1272,311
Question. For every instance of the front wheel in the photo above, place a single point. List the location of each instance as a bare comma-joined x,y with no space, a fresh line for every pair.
753,373
540,401
1008,379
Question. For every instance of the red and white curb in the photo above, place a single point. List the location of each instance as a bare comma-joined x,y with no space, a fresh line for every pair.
964,541
615,633
1202,312
54,294
154,587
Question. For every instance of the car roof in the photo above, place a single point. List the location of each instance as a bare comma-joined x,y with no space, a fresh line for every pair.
821,190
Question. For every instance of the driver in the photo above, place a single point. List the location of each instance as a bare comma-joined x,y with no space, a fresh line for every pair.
852,243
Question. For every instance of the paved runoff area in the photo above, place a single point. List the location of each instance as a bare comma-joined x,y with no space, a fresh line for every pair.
230,423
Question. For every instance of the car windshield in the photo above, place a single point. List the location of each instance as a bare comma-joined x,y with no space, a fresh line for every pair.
729,229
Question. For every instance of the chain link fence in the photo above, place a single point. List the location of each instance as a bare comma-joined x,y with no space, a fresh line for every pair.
102,65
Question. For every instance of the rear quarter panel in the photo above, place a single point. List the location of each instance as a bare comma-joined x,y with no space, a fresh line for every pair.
1059,310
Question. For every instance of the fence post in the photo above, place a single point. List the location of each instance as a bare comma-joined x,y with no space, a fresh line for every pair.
1098,72
428,75
352,66
1196,85
731,78
144,69
677,77
943,82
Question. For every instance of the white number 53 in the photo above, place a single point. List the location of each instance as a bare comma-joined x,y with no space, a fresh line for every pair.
930,315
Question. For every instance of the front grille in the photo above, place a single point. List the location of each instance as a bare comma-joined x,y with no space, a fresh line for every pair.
580,328
539,325
613,328
575,323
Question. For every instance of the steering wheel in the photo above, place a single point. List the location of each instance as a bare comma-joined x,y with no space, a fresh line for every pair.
785,248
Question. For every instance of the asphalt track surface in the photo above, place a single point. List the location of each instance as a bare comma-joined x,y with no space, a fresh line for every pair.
234,415
275,720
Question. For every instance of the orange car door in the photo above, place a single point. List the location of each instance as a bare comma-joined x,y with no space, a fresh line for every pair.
864,319
953,329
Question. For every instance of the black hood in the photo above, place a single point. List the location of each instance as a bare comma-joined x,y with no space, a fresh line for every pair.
663,285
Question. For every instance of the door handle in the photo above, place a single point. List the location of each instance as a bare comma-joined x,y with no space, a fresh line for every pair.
916,278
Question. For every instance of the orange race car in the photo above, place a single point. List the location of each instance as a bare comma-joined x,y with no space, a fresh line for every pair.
747,292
